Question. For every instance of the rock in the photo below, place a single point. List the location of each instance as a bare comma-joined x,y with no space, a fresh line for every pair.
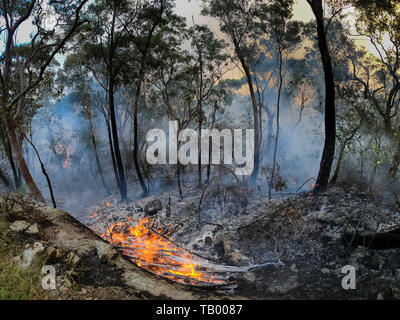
29,256
19,226
105,251
33,229
153,207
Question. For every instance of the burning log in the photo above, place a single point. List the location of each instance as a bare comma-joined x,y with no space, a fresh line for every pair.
149,249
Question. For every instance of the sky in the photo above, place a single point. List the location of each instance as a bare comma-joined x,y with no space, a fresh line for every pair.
191,10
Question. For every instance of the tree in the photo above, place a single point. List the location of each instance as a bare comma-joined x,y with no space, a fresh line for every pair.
330,109
209,66
47,39
152,16
237,19
275,21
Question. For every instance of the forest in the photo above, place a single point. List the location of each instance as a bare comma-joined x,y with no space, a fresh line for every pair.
86,85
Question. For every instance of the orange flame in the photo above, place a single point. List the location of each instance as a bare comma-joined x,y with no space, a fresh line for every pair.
150,250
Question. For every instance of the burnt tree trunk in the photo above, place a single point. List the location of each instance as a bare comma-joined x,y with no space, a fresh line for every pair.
111,103
330,112
53,200
256,122
373,241
395,163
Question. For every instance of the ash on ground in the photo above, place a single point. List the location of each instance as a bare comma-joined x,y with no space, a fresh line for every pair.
242,227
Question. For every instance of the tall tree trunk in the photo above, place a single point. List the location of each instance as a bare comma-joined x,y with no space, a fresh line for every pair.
395,163
338,165
5,179
53,200
117,152
278,108
19,157
256,121
136,106
99,168
111,145
120,178
209,145
330,112
16,172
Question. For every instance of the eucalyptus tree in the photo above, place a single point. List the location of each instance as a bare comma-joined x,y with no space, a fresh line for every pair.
54,24
276,21
77,78
105,47
330,96
143,30
209,64
237,20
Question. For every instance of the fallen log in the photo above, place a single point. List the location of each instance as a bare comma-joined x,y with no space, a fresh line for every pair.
60,230
373,241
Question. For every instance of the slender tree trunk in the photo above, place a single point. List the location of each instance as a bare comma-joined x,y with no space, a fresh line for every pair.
278,107
16,172
338,165
136,139
19,157
210,146
5,179
136,106
330,112
99,168
200,115
117,152
395,163
256,122
53,200
111,103
111,145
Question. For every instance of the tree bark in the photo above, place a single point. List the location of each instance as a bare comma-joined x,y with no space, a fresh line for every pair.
19,157
44,173
330,112
246,69
278,104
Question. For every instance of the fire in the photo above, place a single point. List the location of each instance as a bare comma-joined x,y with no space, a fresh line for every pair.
152,251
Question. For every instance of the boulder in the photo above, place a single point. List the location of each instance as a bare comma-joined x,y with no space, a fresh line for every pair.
19,226
29,256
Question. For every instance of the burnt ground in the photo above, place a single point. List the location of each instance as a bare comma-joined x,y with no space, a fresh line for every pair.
235,226
242,227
